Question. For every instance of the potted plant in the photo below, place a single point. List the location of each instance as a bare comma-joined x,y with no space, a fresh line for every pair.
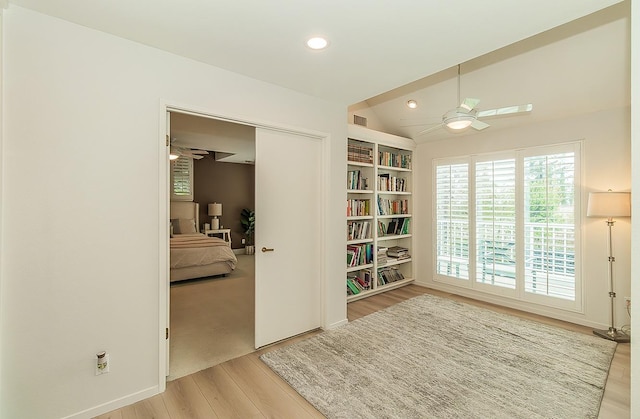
248,221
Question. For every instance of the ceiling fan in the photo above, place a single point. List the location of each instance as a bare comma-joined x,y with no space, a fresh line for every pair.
467,115
175,152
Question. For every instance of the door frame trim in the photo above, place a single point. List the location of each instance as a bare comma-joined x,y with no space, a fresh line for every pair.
167,106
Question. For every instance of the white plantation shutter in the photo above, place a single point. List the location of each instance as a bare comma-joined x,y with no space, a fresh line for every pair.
495,197
549,225
516,215
182,179
452,220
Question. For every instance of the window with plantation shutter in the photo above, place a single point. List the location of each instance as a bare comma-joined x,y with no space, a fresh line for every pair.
510,223
452,219
182,179
550,225
495,226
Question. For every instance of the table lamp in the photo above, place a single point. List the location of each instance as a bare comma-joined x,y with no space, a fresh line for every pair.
215,211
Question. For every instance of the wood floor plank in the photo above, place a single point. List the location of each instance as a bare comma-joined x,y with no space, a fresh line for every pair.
270,399
151,408
184,400
224,395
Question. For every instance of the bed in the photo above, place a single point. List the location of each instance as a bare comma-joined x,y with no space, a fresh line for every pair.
194,255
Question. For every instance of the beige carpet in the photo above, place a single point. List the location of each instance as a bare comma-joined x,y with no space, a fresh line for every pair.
430,357
212,320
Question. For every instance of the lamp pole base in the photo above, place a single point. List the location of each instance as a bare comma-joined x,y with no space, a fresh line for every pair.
613,334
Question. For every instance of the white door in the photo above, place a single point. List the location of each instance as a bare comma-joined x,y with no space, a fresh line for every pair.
288,177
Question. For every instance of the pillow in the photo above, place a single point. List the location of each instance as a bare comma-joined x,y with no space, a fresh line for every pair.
184,226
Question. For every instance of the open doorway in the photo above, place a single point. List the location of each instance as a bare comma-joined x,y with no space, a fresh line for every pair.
212,317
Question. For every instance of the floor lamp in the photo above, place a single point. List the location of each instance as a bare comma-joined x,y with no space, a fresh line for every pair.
608,205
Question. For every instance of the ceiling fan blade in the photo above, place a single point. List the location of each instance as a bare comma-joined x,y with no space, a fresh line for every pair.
424,131
469,103
199,152
479,125
507,110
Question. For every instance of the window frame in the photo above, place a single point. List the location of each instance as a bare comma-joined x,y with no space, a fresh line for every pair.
172,171
519,292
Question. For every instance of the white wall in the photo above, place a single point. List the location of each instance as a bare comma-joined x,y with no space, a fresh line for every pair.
635,198
81,193
606,165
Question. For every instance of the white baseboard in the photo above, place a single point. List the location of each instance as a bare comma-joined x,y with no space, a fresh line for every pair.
337,324
115,404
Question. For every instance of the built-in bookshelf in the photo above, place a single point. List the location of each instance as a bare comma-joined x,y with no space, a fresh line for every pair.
379,218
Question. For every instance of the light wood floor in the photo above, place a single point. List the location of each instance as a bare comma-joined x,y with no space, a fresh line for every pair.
246,388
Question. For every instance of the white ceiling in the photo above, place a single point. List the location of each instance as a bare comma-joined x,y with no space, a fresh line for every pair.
577,68
374,46
565,57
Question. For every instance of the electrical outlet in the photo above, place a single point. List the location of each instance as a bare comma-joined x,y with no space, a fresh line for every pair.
244,241
102,363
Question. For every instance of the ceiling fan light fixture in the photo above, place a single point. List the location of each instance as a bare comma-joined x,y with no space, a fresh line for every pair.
173,156
459,124
458,119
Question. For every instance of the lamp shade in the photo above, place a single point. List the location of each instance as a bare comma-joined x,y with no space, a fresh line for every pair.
609,204
214,209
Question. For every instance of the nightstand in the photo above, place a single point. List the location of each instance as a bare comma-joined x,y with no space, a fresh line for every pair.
224,232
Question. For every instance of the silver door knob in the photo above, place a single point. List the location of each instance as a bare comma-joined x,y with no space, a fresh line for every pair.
266,249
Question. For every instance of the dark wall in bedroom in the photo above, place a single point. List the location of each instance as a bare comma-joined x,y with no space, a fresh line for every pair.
232,185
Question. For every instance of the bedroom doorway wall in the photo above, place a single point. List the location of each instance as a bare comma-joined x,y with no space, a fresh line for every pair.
212,319
282,310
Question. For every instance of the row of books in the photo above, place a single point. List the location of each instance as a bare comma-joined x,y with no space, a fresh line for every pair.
387,158
396,226
388,183
359,254
358,283
358,230
388,275
392,206
355,180
360,154
358,207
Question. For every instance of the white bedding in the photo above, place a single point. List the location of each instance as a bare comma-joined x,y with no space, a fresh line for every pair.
197,249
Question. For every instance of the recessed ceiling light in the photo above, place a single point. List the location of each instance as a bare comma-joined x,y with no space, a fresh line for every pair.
412,104
317,43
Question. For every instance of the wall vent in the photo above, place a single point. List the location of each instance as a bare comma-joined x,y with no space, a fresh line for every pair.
360,120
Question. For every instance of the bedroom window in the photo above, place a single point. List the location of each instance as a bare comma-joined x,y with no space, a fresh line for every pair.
182,179
508,223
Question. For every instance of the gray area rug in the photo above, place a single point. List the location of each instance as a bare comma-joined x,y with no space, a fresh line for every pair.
430,357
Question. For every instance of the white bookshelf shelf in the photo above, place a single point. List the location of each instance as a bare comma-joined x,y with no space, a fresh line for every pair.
359,267
394,237
382,217
359,164
360,217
